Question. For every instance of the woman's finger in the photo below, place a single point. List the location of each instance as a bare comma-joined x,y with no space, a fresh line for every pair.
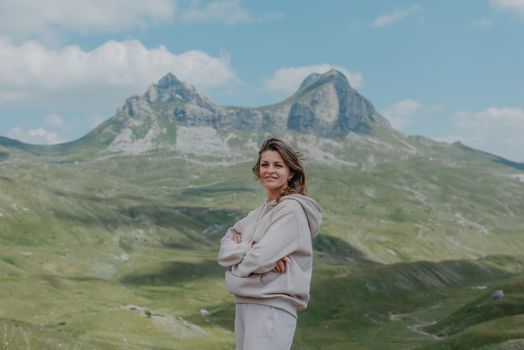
280,266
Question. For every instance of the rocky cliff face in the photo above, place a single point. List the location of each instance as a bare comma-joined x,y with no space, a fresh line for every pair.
328,106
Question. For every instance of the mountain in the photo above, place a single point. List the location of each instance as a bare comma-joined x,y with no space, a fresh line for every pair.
325,116
325,105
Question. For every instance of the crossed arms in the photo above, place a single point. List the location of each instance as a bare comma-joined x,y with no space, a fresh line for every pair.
270,253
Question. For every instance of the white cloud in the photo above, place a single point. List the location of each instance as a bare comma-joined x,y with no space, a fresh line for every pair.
395,16
495,130
288,80
39,136
33,73
48,20
54,130
513,6
226,11
402,113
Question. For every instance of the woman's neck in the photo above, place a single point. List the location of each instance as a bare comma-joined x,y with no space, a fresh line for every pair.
272,195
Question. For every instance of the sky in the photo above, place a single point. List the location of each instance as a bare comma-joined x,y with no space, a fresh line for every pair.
449,70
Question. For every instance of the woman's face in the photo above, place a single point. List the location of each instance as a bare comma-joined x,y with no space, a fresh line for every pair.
274,173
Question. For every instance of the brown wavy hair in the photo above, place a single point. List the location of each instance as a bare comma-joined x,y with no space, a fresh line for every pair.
297,183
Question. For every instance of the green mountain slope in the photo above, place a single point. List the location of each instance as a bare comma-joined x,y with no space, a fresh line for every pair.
92,237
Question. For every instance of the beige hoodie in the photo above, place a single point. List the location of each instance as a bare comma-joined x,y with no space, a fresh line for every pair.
279,230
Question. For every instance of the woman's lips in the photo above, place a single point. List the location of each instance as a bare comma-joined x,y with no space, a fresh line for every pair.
271,178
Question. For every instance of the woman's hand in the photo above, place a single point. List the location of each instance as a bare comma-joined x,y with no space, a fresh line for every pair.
238,238
281,265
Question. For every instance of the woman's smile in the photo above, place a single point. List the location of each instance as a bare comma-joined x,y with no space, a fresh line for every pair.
274,173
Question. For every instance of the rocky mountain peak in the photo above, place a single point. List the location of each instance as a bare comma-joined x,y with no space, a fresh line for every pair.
168,80
327,105
169,88
331,76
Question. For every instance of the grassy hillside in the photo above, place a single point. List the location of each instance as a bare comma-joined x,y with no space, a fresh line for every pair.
484,321
119,252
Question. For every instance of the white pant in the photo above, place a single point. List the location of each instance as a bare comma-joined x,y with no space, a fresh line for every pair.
261,327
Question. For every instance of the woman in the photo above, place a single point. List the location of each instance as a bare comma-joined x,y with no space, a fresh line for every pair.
268,254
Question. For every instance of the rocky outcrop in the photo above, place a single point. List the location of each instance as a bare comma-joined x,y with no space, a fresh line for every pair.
328,106
170,88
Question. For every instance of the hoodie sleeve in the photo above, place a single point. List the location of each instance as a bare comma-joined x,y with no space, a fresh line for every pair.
231,252
280,240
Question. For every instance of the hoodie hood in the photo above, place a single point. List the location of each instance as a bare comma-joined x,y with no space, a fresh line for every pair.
311,209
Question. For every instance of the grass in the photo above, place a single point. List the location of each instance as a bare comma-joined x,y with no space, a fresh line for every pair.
483,309
492,334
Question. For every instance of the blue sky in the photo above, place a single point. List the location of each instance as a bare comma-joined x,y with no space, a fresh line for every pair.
449,70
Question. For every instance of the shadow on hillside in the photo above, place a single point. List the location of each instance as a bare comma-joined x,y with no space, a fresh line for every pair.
335,250
116,200
365,297
206,222
187,219
4,156
213,191
59,282
6,179
173,273
105,221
